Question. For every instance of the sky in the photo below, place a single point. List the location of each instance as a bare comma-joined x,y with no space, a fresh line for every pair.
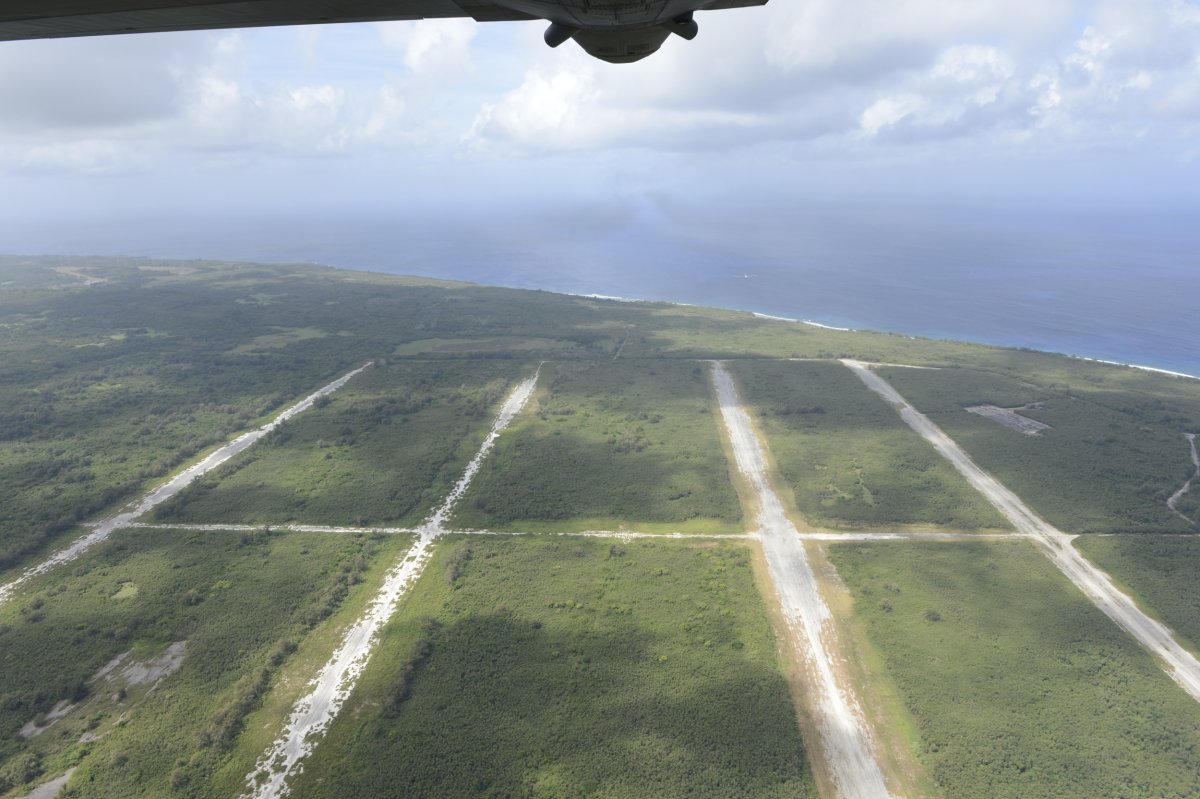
1042,102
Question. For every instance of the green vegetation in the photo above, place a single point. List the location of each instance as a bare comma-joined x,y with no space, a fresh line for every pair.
545,668
106,388
176,356
540,666
383,450
1018,685
608,444
1189,504
139,593
1109,464
848,458
1160,570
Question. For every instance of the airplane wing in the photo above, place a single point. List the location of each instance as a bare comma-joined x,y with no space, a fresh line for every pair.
48,19
614,30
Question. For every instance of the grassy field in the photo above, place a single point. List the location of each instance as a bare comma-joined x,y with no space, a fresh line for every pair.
140,593
848,459
1109,464
106,388
610,444
549,668
1189,503
176,356
1018,685
384,450
173,357
1160,570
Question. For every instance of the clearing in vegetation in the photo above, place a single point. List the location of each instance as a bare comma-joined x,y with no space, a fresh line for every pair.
849,461
382,451
1019,687
230,611
552,667
1008,417
608,445
1108,465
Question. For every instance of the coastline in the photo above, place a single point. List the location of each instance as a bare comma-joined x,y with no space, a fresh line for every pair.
810,323
1141,367
613,298
1133,366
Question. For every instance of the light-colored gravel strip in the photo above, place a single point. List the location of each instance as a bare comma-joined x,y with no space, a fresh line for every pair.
508,411
848,747
51,789
1095,583
906,536
624,535
313,713
286,528
628,535
873,364
180,481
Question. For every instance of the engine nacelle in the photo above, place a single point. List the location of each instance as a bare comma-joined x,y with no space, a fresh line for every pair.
620,31
622,46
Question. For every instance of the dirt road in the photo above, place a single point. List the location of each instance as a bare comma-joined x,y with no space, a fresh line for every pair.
1098,586
848,749
180,481
51,789
1173,502
313,713
624,535
508,411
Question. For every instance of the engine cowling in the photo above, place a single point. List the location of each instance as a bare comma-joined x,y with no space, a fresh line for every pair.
620,31
622,46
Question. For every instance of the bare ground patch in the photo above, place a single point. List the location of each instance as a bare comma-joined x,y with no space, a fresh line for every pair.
119,680
1008,417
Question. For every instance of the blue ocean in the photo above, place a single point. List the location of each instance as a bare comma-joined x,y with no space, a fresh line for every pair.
1114,285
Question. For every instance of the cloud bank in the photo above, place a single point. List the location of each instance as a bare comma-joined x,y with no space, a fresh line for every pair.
834,83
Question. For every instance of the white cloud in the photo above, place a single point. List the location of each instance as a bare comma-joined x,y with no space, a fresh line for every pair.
889,111
828,79
85,156
888,72
97,105
432,45
1133,66
854,40
86,84
973,64
555,107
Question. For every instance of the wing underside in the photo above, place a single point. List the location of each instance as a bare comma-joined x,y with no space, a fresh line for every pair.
620,31
31,19
48,19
